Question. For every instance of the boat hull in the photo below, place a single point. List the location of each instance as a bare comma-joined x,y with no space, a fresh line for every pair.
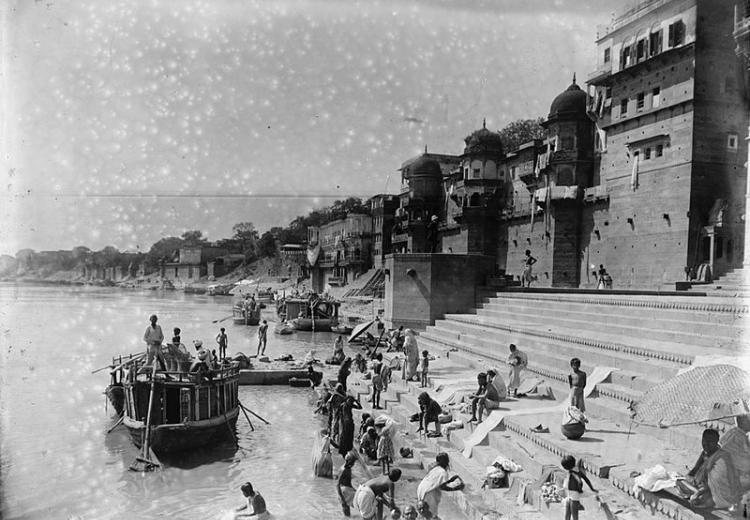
321,325
116,395
174,438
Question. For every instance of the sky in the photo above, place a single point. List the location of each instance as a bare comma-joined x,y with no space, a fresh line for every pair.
127,121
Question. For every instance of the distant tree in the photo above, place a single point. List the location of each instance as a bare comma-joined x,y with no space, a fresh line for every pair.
247,235
81,253
163,250
341,208
107,256
194,238
522,131
267,245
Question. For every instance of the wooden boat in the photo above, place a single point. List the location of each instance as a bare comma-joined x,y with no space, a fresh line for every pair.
242,316
312,313
176,410
283,328
342,329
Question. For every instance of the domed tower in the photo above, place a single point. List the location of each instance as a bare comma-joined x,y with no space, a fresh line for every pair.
422,197
570,132
425,178
569,170
475,189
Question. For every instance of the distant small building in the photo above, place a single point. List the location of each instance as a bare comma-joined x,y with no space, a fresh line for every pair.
192,263
223,265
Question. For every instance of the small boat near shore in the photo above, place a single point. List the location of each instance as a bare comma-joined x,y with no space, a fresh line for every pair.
174,411
309,314
245,316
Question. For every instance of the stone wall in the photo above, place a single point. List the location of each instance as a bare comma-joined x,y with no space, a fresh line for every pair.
420,288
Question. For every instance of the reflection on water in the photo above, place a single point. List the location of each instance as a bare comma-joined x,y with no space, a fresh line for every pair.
58,462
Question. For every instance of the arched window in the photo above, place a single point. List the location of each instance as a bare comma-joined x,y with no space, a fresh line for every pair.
475,200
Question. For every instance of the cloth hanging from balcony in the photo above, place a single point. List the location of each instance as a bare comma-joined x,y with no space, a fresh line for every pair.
533,209
542,161
634,172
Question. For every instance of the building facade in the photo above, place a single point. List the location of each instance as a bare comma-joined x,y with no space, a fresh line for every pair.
641,171
383,208
345,250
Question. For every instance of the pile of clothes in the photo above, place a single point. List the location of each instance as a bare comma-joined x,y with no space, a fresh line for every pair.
551,492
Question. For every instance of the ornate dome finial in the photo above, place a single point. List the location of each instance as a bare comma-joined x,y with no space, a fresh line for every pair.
574,78
484,122
425,148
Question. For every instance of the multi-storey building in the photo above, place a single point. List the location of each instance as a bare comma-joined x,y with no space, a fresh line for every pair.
345,250
383,208
642,172
670,115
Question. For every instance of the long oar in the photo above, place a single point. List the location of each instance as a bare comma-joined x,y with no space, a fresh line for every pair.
147,452
115,367
255,414
248,418
222,319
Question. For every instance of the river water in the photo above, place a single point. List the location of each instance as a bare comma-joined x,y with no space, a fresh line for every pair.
58,461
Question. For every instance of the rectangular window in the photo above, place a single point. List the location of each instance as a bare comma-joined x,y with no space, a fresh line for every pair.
640,52
607,55
659,150
647,153
732,141
655,43
476,174
608,93
676,34
641,100
623,107
655,97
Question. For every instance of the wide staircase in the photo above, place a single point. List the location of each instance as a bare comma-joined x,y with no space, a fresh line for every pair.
735,282
644,340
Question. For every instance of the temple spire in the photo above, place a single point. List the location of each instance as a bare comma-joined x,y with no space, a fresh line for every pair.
425,148
484,123
574,78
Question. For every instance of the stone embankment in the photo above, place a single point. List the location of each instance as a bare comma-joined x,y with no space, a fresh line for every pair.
636,341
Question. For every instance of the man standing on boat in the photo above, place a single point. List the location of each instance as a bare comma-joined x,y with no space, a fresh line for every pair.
153,338
262,337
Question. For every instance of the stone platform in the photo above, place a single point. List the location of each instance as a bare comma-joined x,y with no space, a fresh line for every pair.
645,338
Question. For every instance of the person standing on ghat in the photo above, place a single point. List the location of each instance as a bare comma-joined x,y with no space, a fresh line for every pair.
518,361
526,276
577,384
223,341
262,338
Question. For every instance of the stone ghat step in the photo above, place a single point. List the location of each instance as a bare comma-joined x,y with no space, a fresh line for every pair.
550,367
610,400
694,323
673,353
725,310
405,396
543,350
592,327
534,454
